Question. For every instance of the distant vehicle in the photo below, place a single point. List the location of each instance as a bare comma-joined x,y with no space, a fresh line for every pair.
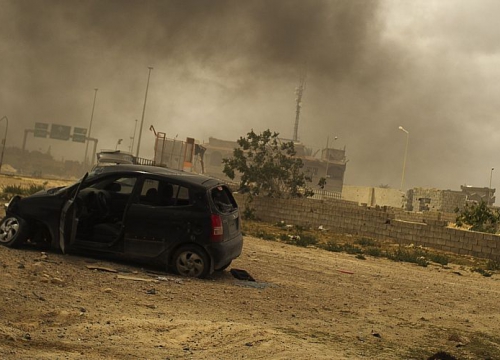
110,157
116,157
187,222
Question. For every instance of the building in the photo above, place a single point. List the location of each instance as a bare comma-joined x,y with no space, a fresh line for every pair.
330,166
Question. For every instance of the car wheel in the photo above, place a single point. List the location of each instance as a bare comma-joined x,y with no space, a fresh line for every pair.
191,261
13,231
222,268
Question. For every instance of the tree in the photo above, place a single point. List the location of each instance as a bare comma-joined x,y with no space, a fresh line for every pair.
267,166
479,217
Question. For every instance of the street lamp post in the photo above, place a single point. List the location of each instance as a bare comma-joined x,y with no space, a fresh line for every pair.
90,129
118,143
406,153
4,139
143,112
133,138
489,189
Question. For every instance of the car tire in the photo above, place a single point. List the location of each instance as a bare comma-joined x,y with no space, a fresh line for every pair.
191,261
224,267
13,231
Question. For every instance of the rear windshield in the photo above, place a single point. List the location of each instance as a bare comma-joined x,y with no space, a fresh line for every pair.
223,199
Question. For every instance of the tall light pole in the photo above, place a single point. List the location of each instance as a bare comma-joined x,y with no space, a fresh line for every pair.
4,139
90,129
143,112
406,153
489,189
133,138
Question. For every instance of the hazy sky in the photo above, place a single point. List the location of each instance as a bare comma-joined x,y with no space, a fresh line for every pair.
223,67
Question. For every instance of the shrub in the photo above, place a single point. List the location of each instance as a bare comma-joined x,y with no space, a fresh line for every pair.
265,236
438,258
10,191
412,256
332,246
480,217
366,242
483,272
351,249
373,251
493,265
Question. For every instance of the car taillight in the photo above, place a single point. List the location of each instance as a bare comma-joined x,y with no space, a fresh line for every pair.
217,229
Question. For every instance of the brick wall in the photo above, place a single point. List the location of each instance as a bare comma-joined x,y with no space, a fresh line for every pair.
437,200
428,229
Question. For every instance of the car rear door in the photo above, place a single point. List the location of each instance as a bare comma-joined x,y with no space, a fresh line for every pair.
154,222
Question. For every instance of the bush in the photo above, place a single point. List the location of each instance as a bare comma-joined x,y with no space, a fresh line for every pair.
10,191
412,256
332,246
479,217
493,265
438,258
366,242
373,251
265,236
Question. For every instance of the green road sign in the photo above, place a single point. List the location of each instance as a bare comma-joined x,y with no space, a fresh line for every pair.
60,132
41,130
79,134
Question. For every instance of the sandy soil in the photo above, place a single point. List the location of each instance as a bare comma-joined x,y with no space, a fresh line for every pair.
306,303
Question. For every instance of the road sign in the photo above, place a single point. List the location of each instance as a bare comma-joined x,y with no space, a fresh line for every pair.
79,134
41,130
60,132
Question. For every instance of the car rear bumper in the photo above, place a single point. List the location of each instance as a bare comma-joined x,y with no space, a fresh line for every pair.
224,252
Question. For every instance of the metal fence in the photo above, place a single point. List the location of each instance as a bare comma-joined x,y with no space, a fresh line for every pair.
324,194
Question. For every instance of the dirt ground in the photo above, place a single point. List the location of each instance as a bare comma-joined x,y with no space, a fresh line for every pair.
306,303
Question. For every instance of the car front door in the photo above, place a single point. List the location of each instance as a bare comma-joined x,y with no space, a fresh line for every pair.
69,221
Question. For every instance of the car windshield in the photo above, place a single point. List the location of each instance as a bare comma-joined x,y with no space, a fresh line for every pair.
61,189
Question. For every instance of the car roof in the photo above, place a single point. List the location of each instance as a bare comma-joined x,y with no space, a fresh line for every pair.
181,176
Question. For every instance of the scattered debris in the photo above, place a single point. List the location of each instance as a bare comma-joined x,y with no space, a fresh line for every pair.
241,275
57,281
41,298
376,334
135,278
101,268
254,284
441,355
345,271
163,278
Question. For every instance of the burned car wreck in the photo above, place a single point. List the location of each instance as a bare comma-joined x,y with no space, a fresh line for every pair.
186,222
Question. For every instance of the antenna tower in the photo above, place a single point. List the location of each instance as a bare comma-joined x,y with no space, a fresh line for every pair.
298,92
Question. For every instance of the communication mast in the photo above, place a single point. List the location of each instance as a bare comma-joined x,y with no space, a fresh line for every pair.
299,92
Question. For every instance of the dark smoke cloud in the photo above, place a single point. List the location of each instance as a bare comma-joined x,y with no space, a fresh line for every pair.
222,67
60,49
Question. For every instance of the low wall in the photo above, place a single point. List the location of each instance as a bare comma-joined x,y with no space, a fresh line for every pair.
373,196
428,229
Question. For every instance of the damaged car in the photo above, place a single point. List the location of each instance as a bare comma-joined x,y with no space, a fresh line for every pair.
186,222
